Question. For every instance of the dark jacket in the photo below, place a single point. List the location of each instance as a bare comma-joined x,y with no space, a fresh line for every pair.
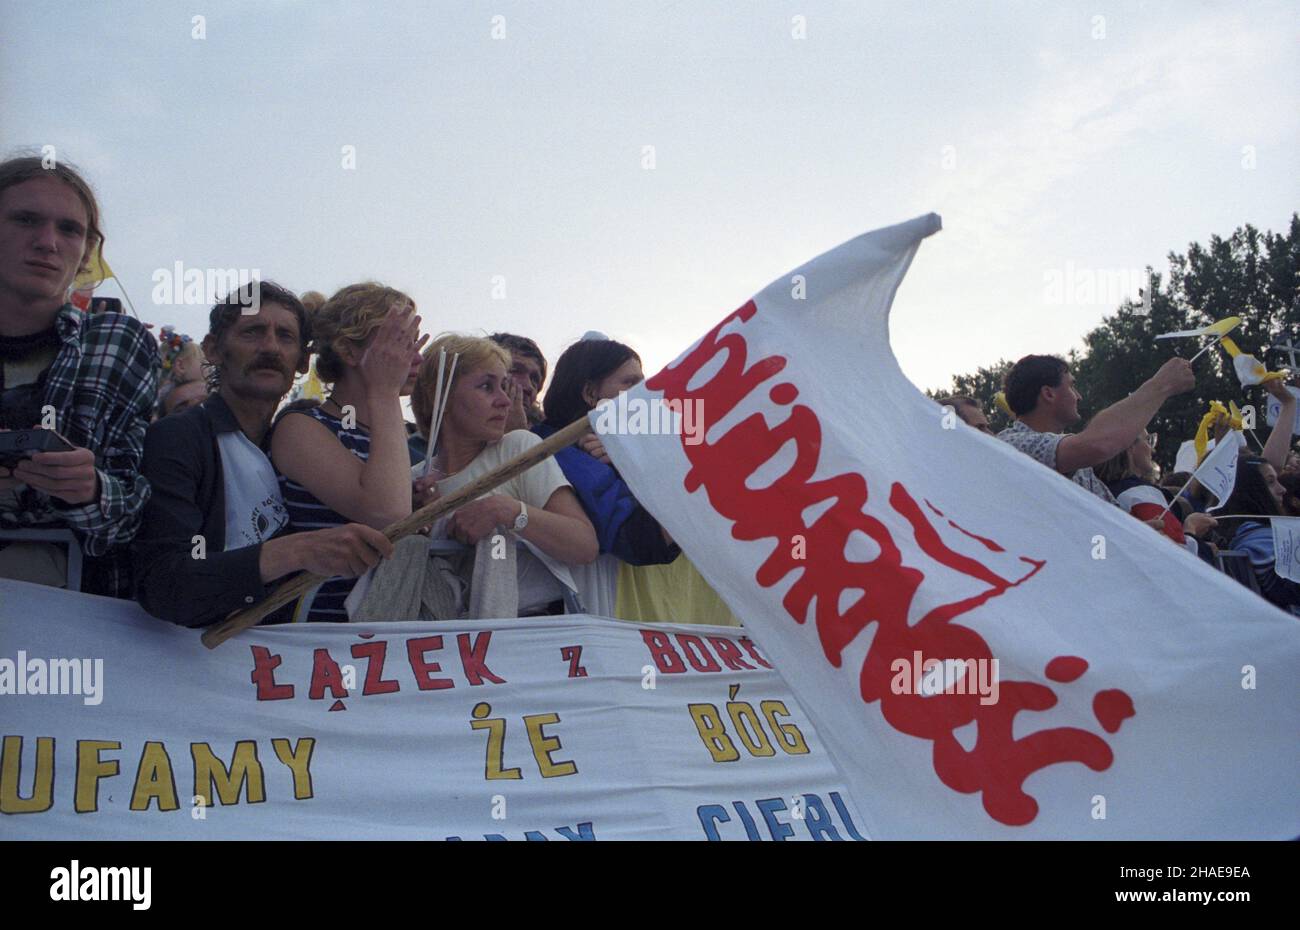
623,527
183,465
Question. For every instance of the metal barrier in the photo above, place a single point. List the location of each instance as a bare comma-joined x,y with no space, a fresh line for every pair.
1235,563
60,536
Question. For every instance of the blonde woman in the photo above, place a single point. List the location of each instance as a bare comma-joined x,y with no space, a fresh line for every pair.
347,460
538,506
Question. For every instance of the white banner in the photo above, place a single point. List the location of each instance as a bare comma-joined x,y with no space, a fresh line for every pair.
987,649
566,728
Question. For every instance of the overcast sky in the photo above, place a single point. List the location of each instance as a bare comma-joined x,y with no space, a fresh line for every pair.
1058,141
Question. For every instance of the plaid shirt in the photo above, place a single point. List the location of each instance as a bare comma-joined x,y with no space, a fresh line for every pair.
102,386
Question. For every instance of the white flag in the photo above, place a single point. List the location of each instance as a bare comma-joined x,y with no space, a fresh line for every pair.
1273,407
1186,458
1218,473
1092,680
1286,547
1217,328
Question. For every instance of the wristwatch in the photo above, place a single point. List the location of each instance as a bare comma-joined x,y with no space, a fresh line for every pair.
521,521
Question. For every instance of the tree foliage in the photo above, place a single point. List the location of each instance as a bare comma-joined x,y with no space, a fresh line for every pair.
1250,274
981,386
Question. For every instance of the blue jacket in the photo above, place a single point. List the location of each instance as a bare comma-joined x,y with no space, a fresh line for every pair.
623,527
1257,540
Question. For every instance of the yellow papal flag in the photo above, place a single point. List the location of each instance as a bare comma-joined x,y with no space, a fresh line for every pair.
312,387
97,272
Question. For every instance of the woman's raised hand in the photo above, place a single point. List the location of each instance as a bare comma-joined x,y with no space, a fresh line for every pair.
517,418
386,363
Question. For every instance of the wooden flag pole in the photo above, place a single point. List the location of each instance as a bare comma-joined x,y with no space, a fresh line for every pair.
301,583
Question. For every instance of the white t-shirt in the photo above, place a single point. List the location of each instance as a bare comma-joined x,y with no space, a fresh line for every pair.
255,510
534,487
542,579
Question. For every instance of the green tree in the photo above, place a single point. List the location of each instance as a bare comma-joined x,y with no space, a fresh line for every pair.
981,386
1123,352
1250,274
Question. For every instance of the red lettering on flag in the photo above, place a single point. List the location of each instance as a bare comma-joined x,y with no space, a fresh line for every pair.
473,658
999,763
374,654
325,673
265,662
661,650
423,669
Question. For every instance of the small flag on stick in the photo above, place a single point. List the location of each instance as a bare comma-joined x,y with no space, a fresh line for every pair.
1250,370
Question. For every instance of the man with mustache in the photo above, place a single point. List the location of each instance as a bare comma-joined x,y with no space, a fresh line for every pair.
213,538
91,378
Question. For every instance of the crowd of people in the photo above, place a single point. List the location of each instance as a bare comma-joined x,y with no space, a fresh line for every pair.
189,484
182,476
1112,457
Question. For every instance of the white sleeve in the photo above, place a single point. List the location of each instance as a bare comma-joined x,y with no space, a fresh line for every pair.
535,486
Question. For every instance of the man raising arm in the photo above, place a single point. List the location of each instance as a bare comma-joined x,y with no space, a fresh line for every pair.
1040,389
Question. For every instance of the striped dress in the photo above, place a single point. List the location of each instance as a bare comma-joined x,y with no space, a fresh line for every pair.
307,513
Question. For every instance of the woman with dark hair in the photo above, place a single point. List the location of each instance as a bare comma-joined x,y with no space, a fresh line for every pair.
639,561
1258,492
586,373
1290,482
589,371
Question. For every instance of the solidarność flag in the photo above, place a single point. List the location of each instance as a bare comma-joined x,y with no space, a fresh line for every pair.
885,558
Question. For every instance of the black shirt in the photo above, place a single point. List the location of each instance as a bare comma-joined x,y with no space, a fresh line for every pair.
21,400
